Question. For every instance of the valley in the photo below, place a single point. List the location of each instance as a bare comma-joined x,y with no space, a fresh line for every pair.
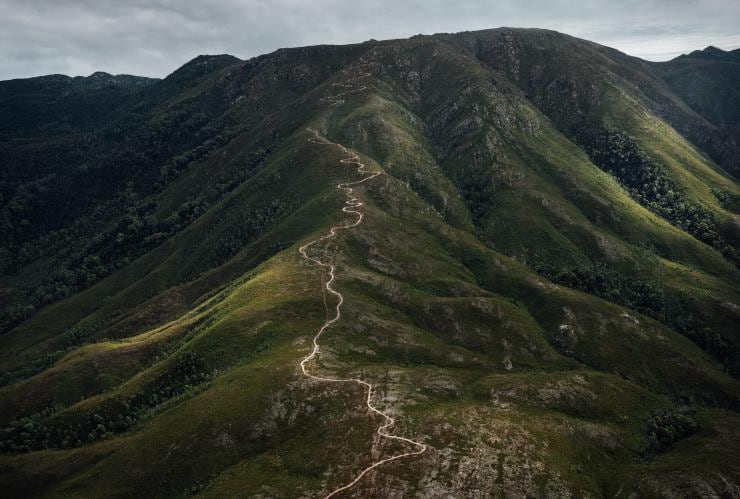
497,263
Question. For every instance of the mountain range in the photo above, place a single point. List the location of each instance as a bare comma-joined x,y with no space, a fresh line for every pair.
526,245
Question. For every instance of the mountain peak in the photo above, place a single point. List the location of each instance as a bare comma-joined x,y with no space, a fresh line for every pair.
209,61
201,66
711,49
712,53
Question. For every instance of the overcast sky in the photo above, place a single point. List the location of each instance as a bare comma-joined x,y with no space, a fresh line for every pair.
154,37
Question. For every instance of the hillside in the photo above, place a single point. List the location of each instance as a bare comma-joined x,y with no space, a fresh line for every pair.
709,82
525,245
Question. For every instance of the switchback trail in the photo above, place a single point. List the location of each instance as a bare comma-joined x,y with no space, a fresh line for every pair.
352,205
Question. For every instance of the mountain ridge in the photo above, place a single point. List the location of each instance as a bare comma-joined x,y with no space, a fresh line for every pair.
712,53
545,273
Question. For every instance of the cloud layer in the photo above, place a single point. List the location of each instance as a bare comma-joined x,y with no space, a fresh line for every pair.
154,37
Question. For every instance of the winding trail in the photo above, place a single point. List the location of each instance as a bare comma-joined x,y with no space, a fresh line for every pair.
352,205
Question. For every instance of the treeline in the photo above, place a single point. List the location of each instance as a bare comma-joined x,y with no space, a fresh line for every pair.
647,297
47,430
727,200
665,428
650,184
70,339
129,230
53,179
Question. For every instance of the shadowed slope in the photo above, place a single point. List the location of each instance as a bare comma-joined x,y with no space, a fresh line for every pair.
466,307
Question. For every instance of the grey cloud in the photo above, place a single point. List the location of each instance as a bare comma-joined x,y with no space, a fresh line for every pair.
154,37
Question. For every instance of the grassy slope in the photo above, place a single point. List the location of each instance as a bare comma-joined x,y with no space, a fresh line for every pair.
466,343
575,82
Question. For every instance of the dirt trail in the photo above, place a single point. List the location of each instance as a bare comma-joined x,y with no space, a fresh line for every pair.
352,205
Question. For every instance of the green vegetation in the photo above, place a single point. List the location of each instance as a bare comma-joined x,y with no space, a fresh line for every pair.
647,297
542,288
666,428
650,184
38,432
708,81
71,339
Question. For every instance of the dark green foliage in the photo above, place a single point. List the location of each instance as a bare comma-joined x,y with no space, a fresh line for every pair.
32,368
477,189
727,200
128,229
44,431
83,160
78,334
649,183
647,297
220,172
69,340
14,313
248,226
665,428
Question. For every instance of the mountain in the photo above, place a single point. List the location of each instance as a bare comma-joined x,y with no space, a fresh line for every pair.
712,53
709,82
492,263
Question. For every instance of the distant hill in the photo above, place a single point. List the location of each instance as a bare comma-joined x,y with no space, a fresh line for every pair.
65,85
543,289
712,53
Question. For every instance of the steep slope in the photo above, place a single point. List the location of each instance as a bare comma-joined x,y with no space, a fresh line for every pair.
712,53
612,107
535,321
708,81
